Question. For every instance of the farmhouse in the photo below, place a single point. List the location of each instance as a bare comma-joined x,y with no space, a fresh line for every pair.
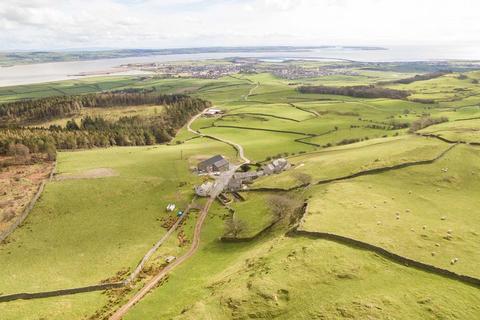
276,166
212,112
240,178
214,164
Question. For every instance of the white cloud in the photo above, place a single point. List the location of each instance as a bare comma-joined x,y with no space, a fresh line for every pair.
47,24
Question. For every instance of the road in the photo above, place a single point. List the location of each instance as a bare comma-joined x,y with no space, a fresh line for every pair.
220,183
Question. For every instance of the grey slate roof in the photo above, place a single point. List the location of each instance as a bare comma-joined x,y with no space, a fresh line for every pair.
221,163
217,161
211,161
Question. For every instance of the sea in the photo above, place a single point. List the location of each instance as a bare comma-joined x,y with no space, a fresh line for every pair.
57,71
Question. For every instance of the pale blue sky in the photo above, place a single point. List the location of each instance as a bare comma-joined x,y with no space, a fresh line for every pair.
54,24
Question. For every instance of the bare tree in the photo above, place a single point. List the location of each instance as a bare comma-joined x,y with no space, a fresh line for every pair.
20,152
234,226
303,178
282,205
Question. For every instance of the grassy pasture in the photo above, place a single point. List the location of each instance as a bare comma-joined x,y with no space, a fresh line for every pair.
349,159
84,231
296,278
409,211
464,131
254,212
69,87
260,145
79,306
280,110
446,88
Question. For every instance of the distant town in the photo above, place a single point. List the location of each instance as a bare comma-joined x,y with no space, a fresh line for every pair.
229,67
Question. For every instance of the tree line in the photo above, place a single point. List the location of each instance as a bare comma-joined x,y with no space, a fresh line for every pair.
44,109
92,132
357,91
418,77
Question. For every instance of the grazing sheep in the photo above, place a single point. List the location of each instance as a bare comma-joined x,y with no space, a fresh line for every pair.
443,218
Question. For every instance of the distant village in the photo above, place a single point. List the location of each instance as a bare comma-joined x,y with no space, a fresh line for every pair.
235,66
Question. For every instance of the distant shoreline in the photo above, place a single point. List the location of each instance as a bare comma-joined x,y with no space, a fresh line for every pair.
10,59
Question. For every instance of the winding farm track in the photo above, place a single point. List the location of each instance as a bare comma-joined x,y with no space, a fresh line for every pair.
238,147
156,280
222,181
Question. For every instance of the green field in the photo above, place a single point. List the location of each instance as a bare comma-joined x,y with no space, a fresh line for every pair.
462,130
86,230
83,231
409,211
343,161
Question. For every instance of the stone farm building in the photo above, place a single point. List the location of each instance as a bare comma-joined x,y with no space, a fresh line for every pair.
214,164
212,112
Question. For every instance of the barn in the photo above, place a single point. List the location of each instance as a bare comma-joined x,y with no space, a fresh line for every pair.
214,164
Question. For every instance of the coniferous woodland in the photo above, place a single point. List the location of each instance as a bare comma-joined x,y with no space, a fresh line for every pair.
418,77
357,91
94,132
